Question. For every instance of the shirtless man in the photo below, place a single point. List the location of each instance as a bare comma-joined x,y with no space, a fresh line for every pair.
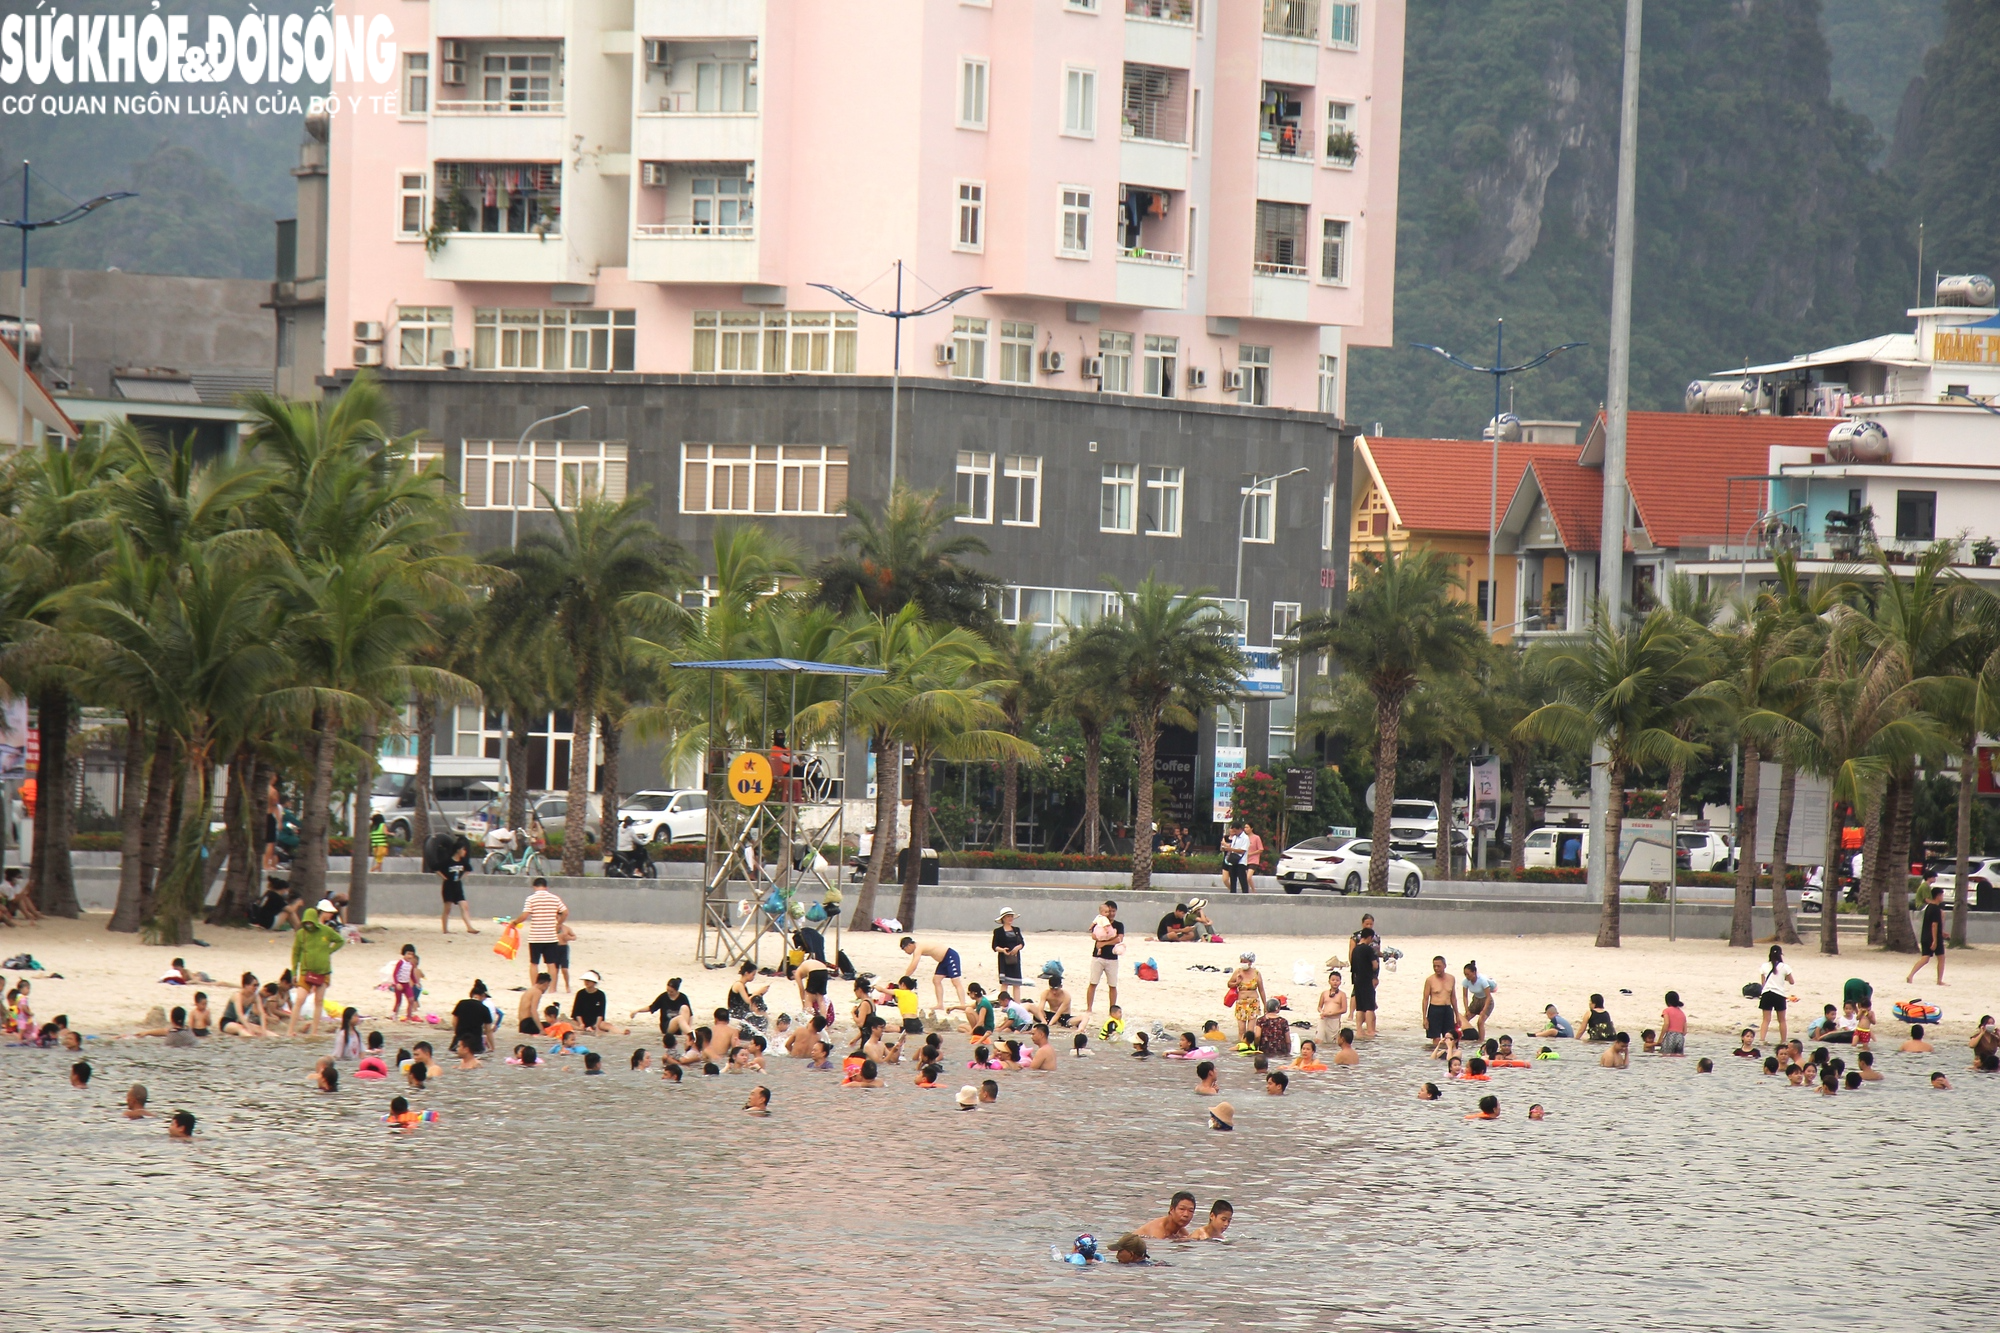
948,967
1220,1215
1439,1009
1916,1041
1174,1225
1619,1054
1053,1006
1345,1054
812,975
1206,1085
531,1001
1045,1054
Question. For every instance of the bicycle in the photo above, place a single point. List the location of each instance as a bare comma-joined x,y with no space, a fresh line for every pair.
521,860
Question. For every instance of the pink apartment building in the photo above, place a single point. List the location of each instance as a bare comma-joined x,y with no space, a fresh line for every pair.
1182,214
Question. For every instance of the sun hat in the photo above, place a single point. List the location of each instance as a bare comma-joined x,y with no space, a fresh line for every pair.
324,905
1004,914
594,975
968,1097
1222,1116
1197,903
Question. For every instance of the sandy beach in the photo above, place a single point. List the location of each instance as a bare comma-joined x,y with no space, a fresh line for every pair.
107,983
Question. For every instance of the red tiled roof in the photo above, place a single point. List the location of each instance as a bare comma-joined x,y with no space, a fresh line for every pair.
1575,497
1677,465
1445,485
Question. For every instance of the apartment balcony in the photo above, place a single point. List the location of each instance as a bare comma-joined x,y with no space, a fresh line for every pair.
1160,32
690,136
1297,20
499,18
682,252
1286,178
503,257
472,131
1279,291
700,18
1152,279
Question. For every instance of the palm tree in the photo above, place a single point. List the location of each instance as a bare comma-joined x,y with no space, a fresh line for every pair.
1173,654
600,569
909,552
56,538
1697,609
1857,722
1919,619
1026,667
1403,618
1091,694
1626,688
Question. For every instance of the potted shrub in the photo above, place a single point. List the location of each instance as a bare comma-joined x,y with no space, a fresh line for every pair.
1983,552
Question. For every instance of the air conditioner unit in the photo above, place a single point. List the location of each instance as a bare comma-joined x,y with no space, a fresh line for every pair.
457,358
1232,381
453,59
947,354
1093,367
1197,378
652,173
656,53
454,74
1053,362
367,355
367,331
453,49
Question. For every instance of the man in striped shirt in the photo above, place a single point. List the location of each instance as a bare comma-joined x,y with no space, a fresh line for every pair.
544,914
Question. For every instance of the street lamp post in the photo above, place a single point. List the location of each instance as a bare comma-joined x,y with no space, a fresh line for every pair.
898,314
1243,508
1499,370
25,225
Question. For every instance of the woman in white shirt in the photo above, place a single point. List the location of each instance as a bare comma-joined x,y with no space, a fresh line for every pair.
1777,981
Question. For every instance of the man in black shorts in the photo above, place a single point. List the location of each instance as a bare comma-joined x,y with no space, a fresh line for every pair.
1930,936
1440,1002
544,914
1364,969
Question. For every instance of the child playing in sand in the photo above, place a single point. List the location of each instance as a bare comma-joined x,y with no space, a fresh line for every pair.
406,983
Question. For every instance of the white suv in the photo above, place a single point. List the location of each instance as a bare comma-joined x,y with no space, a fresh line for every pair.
679,815
1413,824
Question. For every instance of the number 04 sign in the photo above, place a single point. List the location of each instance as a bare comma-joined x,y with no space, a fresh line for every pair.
750,779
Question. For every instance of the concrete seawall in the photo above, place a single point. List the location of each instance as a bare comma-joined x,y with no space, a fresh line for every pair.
676,900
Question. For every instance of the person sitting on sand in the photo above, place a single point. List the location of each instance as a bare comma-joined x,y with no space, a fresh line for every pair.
1597,1024
1916,1043
1619,1054
175,1033
1345,1054
242,1012
1053,1005
1308,1057
1556,1026
1173,1224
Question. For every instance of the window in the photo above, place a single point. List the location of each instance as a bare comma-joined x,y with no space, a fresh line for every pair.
975,486
411,219
1329,385
1075,222
423,334
1080,102
1326,524
1255,365
1116,350
971,216
968,334
1162,513
1343,25
1916,516
1193,218
727,86
1086,6
1194,124
721,206
1257,514
1155,104
416,83
802,479
1284,619
1021,491
1341,143
504,474
972,76
780,342
1017,352
1480,599
517,81
1161,360
1054,610
512,198
1281,239
1115,497
1291,18
553,339
1281,115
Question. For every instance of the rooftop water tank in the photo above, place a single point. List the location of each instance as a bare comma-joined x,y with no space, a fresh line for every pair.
1966,289
1858,442
1722,397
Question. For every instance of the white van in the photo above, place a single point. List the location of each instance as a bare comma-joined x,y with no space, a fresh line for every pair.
1557,848
460,784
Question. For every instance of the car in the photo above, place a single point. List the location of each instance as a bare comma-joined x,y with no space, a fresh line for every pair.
1413,825
453,796
1341,865
673,815
1703,850
552,812
1985,876
1556,847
